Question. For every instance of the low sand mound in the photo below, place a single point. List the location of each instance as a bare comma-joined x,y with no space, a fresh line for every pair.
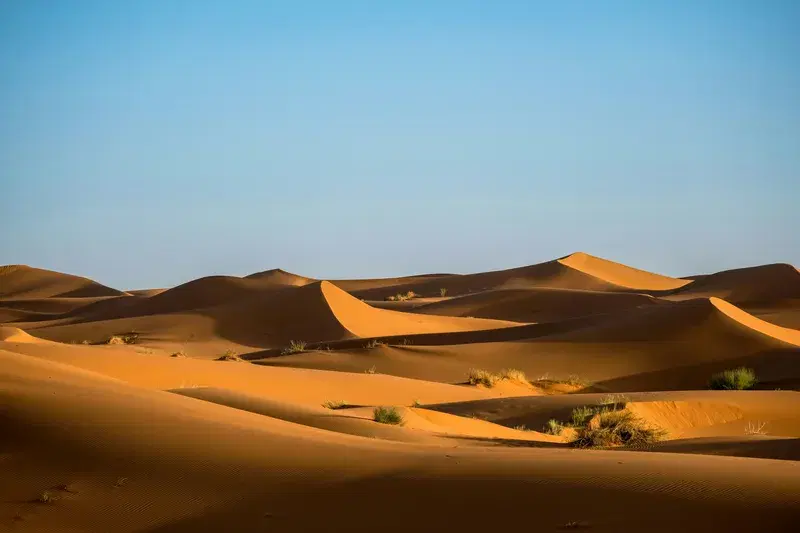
760,285
678,417
146,293
535,304
276,276
619,274
10,334
22,281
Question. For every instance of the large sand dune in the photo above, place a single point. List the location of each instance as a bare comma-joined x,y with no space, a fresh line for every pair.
158,436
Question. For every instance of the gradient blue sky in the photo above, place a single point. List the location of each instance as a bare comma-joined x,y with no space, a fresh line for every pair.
146,143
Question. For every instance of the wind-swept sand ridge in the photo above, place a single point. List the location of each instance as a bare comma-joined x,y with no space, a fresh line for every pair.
154,436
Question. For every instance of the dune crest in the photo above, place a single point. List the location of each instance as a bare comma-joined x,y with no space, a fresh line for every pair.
619,274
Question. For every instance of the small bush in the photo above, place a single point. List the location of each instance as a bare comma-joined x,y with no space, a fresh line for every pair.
229,356
755,429
179,353
613,401
581,414
616,428
47,497
737,379
294,347
387,415
123,338
553,427
416,404
512,374
521,427
370,370
391,298
374,343
482,377
442,292
336,404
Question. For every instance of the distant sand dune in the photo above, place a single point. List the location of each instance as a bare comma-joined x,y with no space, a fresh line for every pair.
22,281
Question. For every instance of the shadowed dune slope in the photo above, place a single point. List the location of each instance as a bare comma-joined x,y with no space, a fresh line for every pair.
760,285
576,271
535,304
276,276
24,282
143,460
314,313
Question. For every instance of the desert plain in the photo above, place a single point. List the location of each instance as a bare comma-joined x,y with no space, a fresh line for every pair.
574,394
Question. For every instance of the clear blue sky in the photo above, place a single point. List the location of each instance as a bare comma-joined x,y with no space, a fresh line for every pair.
145,143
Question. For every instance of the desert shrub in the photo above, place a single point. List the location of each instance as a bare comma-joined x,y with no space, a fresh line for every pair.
229,355
123,338
374,343
294,347
387,415
553,427
47,497
521,427
581,414
391,298
737,379
179,353
512,374
755,428
335,404
442,292
616,428
370,370
482,377
613,401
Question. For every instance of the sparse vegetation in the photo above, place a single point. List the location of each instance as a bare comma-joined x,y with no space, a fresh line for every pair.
553,427
736,379
614,401
179,353
47,497
370,370
512,374
120,481
581,414
616,428
442,292
401,297
294,347
482,377
374,343
335,404
387,415
124,338
416,404
229,355
756,428
521,427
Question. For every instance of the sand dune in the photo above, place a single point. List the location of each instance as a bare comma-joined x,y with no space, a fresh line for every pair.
535,304
766,284
576,271
261,470
160,436
22,281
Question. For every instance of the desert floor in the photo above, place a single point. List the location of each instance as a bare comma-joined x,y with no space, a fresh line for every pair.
246,403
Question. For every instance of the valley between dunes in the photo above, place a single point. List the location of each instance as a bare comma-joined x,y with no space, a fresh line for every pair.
248,404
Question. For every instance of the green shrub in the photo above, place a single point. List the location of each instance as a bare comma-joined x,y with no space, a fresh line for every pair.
616,428
294,347
737,379
553,427
387,415
581,414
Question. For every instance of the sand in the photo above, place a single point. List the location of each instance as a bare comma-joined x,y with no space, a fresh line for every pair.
151,432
